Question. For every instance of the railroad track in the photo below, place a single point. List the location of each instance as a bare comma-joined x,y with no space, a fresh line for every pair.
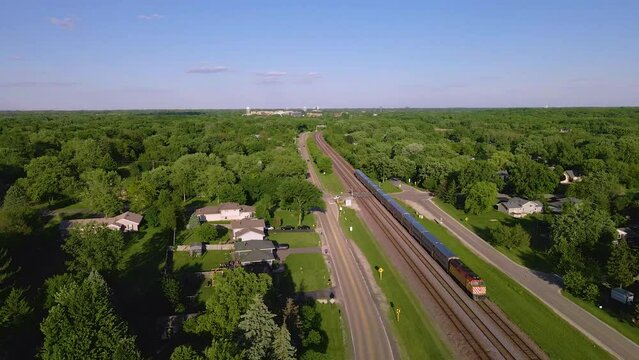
481,324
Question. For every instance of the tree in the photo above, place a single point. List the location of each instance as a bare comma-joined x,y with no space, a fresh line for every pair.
478,171
577,284
223,349
173,293
510,236
300,195
94,248
258,329
531,179
185,352
600,188
48,178
52,285
83,325
282,348
14,310
230,297
102,191
622,265
481,197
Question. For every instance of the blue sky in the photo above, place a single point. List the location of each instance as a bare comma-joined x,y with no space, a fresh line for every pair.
89,54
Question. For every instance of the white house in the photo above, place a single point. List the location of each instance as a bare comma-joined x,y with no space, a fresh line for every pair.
248,229
225,211
570,177
518,207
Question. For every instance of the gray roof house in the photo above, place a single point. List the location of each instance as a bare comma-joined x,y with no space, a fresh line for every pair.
255,251
557,205
518,207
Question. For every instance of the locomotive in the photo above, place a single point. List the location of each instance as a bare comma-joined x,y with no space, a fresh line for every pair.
462,274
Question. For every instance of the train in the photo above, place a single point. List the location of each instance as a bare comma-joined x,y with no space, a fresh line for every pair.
462,274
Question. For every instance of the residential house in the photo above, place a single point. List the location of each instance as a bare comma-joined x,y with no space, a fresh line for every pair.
255,251
570,177
556,205
248,229
225,211
518,207
630,234
125,222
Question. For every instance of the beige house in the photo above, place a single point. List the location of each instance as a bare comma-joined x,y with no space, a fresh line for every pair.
518,207
248,229
225,211
570,177
125,222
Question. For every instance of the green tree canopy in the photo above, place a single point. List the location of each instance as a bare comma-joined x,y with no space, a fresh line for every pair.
94,248
622,265
258,328
481,197
300,195
531,179
102,191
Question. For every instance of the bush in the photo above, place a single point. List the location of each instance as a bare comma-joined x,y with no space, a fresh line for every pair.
510,236
578,285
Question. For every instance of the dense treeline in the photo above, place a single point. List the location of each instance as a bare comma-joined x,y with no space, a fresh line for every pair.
161,165
467,157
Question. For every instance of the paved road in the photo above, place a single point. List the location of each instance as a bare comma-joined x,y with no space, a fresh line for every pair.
370,336
542,285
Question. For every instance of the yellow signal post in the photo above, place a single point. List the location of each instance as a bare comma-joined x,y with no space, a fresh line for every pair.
397,311
381,272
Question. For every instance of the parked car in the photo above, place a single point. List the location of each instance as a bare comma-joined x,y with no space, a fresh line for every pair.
282,246
270,228
304,227
287,228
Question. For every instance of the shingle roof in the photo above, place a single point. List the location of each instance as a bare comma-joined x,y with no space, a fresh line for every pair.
517,202
133,217
241,246
248,223
246,231
255,256
224,206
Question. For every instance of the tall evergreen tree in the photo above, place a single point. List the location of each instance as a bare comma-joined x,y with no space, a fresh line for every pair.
83,325
259,329
282,347
621,265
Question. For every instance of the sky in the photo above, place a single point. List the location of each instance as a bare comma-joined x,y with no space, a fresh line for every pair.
210,54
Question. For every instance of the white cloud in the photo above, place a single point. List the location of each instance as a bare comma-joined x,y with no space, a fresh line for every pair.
208,70
66,23
151,17
273,74
39,84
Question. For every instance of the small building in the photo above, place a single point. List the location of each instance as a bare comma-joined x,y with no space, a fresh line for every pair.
556,205
255,251
196,249
124,222
130,221
225,211
628,233
248,229
570,177
518,207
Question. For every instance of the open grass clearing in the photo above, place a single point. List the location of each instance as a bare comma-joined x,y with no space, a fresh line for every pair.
308,271
554,335
290,217
333,326
330,182
296,239
388,187
183,262
416,335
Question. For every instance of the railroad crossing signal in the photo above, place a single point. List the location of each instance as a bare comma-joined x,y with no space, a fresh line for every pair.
397,311
380,271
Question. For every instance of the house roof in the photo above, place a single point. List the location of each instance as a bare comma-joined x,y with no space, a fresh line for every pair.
248,230
224,206
241,246
248,223
517,202
255,256
133,217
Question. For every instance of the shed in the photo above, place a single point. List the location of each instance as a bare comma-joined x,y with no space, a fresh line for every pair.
196,249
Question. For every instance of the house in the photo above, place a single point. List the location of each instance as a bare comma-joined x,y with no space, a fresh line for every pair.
125,222
518,207
570,177
630,234
556,205
248,229
225,211
255,251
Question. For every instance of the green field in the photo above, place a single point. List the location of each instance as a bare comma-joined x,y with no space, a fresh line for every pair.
290,217
388,187
422,344
296,239
532,257
330,182
211,259
332,325
555,336
308,271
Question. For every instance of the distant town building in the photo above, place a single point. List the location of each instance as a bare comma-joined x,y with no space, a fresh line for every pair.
293,113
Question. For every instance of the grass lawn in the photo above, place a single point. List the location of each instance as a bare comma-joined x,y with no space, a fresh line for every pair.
416,335
211,259
555,336
329,181
624,327
532,256
308,271
289,217
332,325
296,239
389,188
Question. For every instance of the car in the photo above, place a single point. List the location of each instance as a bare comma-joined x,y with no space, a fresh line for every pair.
287,228
304,227
270,228
282,246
